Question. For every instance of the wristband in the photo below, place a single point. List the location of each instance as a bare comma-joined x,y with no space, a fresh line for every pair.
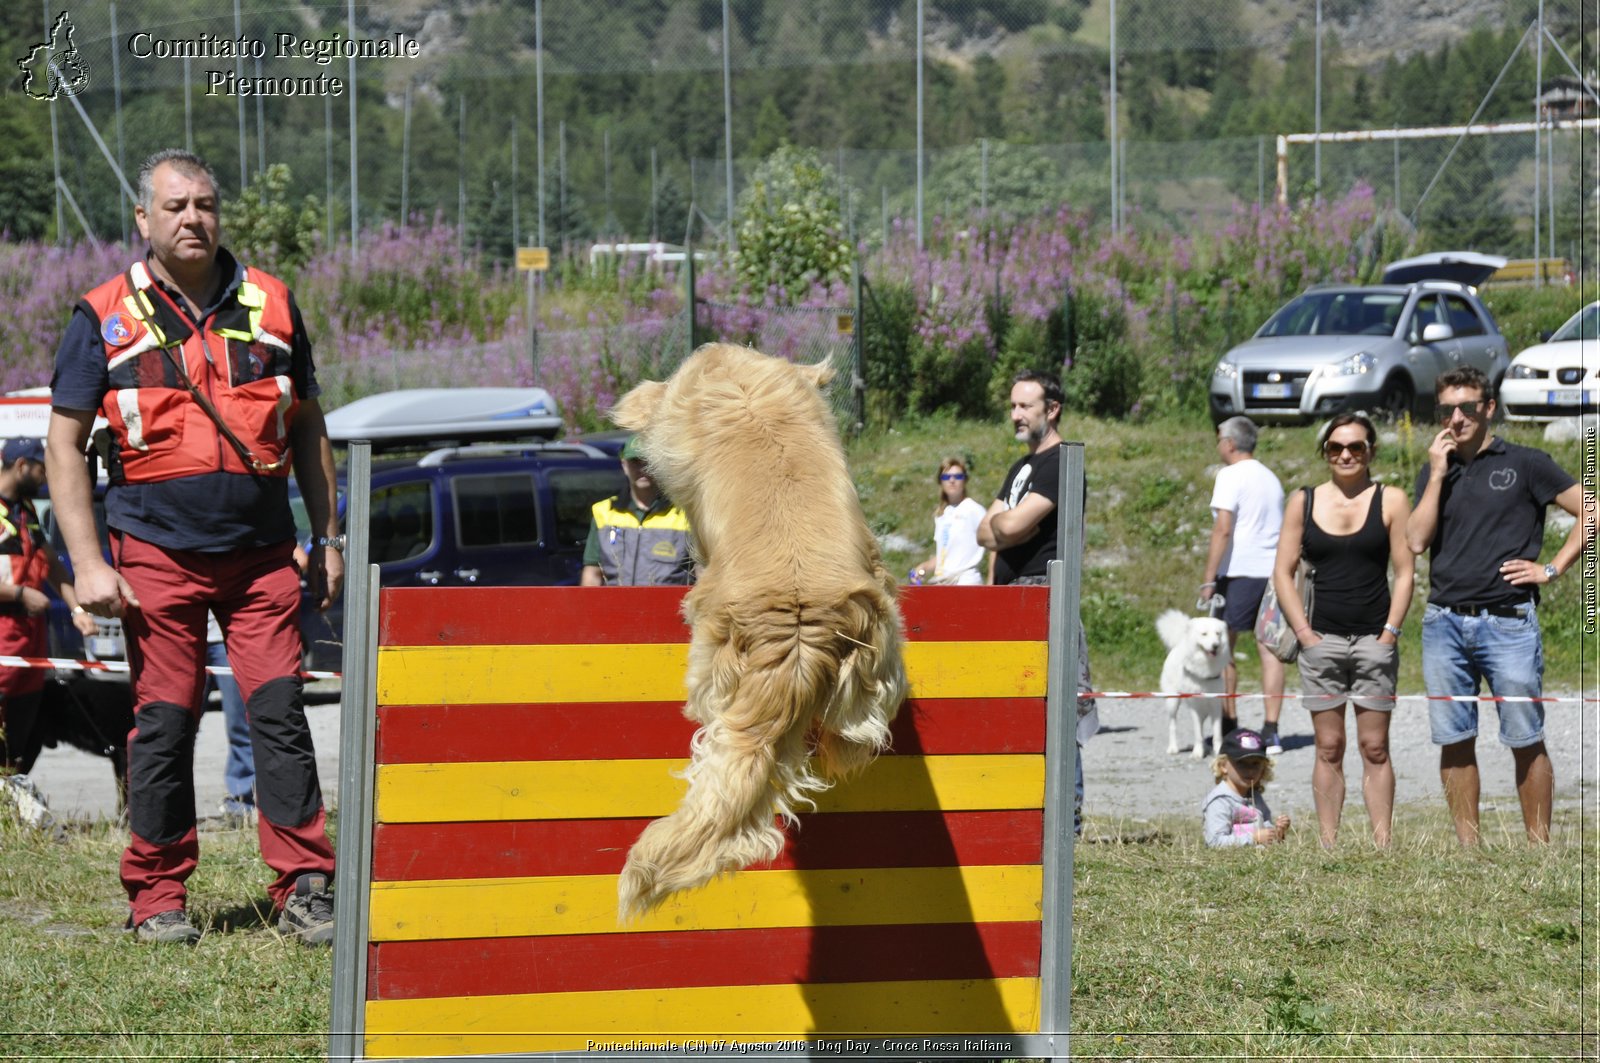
1302,627
1391,629
78,609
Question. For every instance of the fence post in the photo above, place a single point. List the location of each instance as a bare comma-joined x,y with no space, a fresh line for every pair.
688,298
858,372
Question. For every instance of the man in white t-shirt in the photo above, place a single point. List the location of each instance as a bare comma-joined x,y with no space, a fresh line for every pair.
1248,506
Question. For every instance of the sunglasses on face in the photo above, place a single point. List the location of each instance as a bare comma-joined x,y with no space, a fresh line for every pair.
1357,449
1447,410
952,476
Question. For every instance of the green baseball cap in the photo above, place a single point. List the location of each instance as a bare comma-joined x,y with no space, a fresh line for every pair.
631,449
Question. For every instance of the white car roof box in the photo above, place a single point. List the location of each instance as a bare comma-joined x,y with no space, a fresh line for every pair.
1463,267
429,416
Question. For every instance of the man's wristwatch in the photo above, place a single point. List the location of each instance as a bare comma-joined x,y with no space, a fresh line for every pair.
1551,572
335,541
1391,629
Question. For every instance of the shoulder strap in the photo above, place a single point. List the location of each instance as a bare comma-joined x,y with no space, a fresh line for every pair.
1305,524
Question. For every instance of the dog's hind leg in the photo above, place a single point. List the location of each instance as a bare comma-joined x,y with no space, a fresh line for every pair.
1172,726
1199,729
872,685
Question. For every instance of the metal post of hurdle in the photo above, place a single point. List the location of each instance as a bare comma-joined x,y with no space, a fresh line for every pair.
357,712
1061,756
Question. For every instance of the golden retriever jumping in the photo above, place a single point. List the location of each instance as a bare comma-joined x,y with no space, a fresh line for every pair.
796,645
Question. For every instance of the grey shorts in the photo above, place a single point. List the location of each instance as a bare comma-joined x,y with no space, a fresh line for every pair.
1355,668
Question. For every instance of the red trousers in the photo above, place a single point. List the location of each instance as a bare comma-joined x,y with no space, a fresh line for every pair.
255,594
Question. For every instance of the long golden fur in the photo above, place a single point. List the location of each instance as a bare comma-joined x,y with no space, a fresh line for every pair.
796,645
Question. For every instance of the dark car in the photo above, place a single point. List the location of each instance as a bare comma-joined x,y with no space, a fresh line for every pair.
496,514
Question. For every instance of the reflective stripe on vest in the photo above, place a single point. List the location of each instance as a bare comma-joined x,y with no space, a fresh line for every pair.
240,357
636,553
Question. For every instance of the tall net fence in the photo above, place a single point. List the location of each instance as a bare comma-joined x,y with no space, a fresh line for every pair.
565,123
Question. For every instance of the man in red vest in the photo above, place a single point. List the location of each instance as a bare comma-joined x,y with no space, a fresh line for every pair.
203,370
26,565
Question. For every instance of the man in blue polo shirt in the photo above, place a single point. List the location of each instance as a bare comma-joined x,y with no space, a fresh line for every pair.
1480,505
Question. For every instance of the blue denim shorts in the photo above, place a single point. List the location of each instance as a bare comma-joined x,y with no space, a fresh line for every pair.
1504,652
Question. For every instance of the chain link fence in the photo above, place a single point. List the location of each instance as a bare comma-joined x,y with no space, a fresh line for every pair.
487,117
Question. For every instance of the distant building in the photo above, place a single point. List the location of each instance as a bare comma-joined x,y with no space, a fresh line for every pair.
1567,97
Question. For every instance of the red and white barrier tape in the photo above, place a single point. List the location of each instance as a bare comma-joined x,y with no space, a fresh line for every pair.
66,664
1297,697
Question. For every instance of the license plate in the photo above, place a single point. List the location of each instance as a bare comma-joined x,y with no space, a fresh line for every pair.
1570,397
1270,391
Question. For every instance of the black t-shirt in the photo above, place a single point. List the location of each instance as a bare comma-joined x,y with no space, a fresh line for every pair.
1491,510
1038,474
212,512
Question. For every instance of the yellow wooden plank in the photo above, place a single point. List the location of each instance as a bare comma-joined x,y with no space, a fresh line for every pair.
499,675
612,789
587,904
653,1019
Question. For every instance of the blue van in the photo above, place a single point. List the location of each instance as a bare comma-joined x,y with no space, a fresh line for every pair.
496,515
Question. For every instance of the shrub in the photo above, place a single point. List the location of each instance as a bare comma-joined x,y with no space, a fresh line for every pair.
791,228
261,225
1106,377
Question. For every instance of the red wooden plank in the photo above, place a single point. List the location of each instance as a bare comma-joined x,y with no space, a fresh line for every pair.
417,851
428,734
523,616
400,970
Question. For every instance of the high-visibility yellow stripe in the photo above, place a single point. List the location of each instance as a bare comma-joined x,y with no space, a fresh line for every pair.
501,675
551,1022
611,789
587,904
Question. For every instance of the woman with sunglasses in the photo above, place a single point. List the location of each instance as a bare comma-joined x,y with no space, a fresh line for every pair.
1352,531
957,557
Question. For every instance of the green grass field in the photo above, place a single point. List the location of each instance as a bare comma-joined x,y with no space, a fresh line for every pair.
1423,952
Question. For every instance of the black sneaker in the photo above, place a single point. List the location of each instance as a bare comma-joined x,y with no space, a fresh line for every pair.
308,913
171,927
1269,735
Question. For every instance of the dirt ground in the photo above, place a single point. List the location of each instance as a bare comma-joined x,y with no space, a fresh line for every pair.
1128,775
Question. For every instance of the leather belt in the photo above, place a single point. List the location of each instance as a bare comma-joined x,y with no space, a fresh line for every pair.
1487,610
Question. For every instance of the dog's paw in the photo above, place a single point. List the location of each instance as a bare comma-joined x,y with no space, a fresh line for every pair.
1198,752
1173,750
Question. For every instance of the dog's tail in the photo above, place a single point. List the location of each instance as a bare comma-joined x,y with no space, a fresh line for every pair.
751,762
1171,626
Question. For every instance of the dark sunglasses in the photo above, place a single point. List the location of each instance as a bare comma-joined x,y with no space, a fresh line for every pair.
1447,410
1331,450
952,476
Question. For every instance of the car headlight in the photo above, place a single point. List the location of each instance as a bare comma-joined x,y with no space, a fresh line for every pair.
1527,372
1225,370
1356,364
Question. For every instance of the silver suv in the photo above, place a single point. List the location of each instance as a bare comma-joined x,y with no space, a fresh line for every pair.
1346,347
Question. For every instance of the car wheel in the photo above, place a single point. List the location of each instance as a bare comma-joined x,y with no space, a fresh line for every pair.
1397,399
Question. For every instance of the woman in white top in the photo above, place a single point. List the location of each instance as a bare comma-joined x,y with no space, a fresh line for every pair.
957,559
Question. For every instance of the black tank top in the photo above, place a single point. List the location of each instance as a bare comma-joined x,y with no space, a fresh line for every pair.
1352,577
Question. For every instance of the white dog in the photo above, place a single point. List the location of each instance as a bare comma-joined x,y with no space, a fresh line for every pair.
1197,654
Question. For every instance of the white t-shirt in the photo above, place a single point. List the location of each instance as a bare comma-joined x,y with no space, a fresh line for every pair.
1255,497
959,558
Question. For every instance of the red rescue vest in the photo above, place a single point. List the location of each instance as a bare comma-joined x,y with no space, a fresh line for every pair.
24,562
239,359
